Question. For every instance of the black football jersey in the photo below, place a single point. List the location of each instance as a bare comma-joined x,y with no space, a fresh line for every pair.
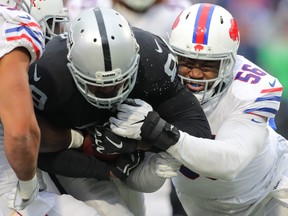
57,99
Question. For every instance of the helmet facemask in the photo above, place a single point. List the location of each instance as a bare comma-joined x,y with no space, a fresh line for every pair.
51,15
53,26
212,87
126,81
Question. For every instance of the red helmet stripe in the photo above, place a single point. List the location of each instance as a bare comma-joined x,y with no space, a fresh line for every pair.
202,23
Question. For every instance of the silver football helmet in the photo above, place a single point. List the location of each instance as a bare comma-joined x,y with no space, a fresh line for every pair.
103,54
207,32
51,15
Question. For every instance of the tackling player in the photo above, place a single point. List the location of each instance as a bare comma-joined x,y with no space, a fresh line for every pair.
243,171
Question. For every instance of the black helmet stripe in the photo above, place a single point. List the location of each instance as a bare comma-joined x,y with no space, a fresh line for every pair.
104,39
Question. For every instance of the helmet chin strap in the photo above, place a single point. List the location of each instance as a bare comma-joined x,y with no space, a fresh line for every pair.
139,5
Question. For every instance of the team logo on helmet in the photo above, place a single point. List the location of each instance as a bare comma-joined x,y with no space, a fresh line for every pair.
198,47
175,24
234,31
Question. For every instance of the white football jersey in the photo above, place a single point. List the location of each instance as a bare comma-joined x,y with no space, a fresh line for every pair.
19,29
245,159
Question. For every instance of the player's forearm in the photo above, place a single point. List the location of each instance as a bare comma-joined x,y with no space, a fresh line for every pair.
22,153
53,138
223,158
73,163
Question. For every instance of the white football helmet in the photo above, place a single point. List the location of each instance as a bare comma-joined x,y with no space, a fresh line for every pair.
103,52
207,32
51,15
139,5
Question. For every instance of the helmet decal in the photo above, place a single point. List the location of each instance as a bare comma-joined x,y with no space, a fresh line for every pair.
234,31
198,47
176,21
202,24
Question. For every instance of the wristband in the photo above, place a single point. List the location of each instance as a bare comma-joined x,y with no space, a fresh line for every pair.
76,139
26,188
159,132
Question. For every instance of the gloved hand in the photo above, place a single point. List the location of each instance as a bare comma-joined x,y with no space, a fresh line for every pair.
24,194
159,132
164,165
130,117
105,141
126,163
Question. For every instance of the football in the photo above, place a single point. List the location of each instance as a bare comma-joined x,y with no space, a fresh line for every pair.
89,148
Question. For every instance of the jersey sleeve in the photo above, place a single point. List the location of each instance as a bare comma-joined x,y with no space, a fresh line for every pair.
237,143
157,72
19,29
259,92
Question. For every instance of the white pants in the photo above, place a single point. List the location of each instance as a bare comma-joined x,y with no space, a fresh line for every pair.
274,202
64,205
113,198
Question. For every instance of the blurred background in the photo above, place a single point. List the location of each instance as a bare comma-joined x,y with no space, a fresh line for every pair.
263,26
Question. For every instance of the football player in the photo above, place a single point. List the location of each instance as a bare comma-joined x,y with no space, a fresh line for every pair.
22,42
243,171
78,83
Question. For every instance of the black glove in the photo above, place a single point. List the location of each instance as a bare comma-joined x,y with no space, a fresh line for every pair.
159,132
126,163
106,142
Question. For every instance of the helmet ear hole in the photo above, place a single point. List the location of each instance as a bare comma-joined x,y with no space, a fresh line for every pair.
111,55
217,39
221,20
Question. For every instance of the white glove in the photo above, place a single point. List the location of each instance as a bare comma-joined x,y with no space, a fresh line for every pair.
130,117
164,165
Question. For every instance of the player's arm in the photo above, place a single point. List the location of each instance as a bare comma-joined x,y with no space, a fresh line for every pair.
66,163
54,138
21,132
151,174
237,142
